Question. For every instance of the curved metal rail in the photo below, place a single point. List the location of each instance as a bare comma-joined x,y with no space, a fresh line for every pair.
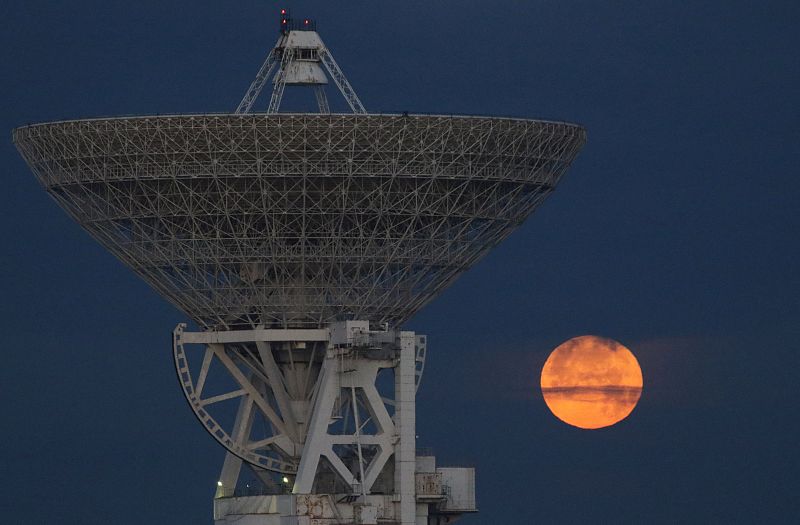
238,443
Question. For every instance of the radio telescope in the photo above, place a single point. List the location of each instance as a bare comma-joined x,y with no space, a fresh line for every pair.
299,244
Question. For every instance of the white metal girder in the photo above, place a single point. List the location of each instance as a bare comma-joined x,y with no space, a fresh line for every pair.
280,81
322,100
232,466
262,77
405,421
315,443
278,386
341,376
341,82
244,336
266,454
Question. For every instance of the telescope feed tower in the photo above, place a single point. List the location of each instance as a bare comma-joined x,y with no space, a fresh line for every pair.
299,243
299,56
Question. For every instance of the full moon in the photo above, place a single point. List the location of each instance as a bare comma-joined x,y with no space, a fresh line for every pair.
591,382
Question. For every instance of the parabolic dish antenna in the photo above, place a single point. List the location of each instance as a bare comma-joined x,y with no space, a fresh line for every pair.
300,243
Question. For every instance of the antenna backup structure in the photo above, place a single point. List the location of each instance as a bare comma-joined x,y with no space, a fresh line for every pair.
300,243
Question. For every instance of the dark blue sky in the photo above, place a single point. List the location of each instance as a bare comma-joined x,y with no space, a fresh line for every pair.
675,233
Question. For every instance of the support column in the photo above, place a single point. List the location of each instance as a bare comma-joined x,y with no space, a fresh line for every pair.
233,464
277,388
405,425
317,442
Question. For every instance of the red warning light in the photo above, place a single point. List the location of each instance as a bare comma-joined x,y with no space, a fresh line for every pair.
305,22
283,21
283,11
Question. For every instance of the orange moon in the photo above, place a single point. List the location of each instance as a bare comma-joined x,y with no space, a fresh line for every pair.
591,382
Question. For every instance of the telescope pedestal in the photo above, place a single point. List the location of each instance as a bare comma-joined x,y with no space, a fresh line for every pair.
322,419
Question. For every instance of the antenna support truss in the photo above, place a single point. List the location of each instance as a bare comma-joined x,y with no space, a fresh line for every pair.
298,59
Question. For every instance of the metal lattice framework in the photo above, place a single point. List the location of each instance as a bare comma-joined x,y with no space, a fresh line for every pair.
298,220
285,53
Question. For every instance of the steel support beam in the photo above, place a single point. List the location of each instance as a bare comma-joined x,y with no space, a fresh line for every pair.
258,83
322,100
405,421
341,82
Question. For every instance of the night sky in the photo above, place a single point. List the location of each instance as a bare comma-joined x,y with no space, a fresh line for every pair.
675,233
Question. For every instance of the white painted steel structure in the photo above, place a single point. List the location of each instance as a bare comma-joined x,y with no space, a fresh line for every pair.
299,57
299,244
328,428
299,220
